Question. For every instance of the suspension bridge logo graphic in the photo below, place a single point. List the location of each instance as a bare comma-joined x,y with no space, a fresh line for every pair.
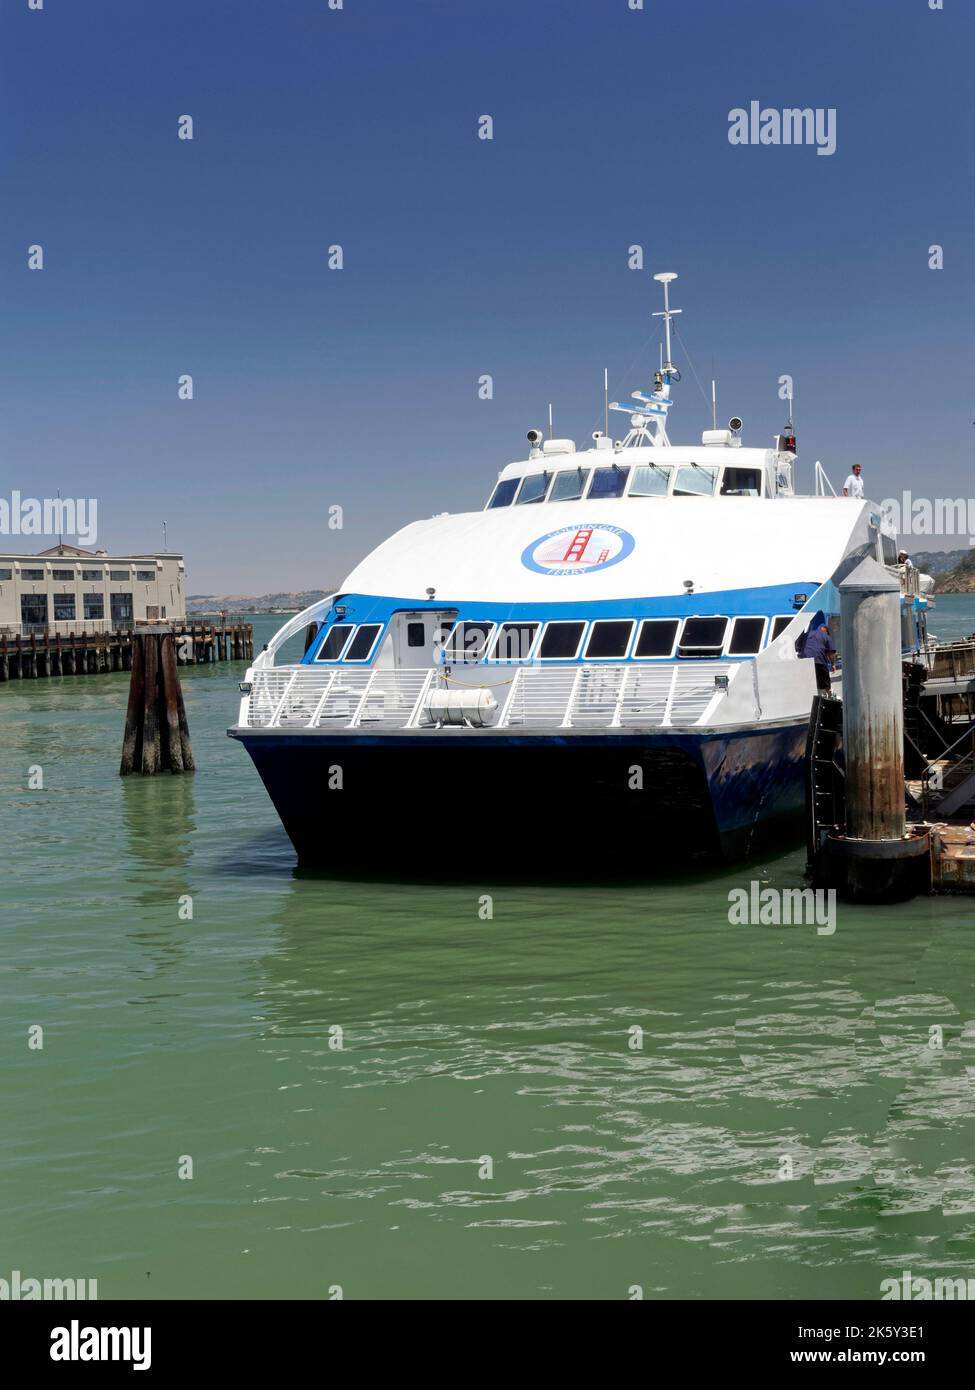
578,550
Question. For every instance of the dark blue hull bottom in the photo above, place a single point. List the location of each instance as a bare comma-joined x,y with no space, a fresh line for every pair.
570,803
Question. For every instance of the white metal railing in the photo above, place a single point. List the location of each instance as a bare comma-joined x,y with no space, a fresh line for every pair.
314,613
823,482
659,694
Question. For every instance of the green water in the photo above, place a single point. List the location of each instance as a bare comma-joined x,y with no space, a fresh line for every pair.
766,1050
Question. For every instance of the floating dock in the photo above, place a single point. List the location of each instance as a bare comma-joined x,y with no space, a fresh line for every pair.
92,653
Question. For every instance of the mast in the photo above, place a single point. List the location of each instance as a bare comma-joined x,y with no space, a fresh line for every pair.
653,409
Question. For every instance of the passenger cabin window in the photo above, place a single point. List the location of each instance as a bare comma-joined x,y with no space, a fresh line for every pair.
515,641
416,635
360,648
741,482
608,482
533,488
608,639
779,625
650,480
569,485
560,641
468,642
703,636
334,643
503,494
746,636
657,637
695,480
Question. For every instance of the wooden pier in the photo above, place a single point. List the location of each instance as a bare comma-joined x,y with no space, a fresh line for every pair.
93,653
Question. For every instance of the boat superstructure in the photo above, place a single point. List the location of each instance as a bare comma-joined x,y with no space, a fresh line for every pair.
608,644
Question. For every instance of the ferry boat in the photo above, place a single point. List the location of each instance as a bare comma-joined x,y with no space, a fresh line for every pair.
596,672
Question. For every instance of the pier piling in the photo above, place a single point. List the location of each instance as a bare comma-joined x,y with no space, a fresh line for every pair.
876,859
157,736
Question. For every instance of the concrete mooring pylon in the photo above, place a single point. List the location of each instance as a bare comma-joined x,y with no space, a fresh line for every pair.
877,859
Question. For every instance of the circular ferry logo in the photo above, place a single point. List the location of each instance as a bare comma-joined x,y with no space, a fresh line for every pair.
578,550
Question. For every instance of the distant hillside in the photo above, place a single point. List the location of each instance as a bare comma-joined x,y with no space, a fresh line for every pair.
246,603
938,561
960,580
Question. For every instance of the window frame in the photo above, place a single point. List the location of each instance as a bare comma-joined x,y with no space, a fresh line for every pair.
706,652
669,656
562,622
583,489
730,637
361,660
328,631
535,501
466,659
625,468
715,468
787,619
669,468
536,623
491,505
598,622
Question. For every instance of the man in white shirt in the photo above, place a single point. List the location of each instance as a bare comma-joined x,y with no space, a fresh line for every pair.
853,487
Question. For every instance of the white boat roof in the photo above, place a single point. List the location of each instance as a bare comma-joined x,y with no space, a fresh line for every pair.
719,543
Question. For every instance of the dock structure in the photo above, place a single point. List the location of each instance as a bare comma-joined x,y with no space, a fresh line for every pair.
891,766
29,656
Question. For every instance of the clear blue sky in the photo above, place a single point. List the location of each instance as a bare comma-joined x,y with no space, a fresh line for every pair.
462,256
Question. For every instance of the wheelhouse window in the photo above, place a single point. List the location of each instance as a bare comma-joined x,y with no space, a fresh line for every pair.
780,624
468,642
741,482
334,644
533,488
416,635
657,637
608,482
650,480
703,636
514,641
569,484
609,639
560,641
360,648
504,494
746,636
695,480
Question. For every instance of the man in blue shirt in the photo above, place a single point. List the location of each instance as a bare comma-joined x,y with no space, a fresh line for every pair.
818,646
